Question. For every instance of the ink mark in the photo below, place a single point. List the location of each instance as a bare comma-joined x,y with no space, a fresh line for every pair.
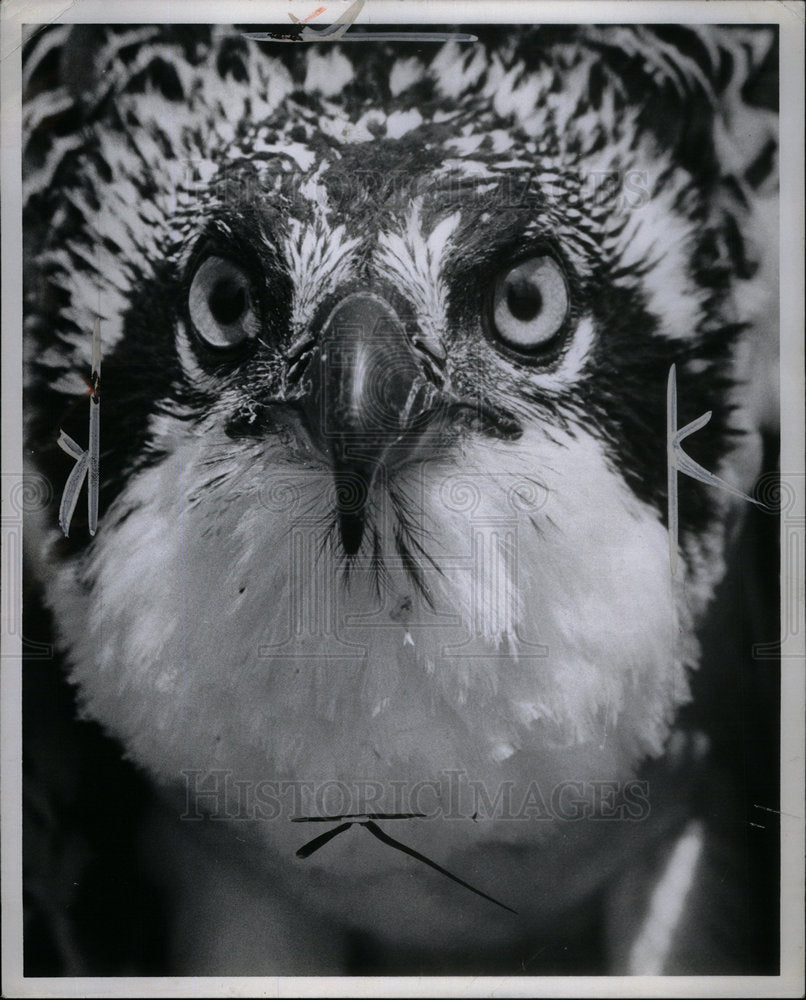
310,17
384,838
313,845
338,32
86,460
354,816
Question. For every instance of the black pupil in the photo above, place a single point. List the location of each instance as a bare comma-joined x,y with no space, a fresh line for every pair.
227,301
524,300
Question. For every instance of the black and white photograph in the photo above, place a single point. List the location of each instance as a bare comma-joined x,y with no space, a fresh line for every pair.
402,498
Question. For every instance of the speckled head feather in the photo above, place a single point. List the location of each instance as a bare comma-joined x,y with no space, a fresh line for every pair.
217,619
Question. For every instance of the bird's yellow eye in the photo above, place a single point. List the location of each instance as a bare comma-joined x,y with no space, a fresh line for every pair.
529,305
220,304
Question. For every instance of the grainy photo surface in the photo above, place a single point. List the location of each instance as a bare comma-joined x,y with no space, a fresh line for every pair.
401,544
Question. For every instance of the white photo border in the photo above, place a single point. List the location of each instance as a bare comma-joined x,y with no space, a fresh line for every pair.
790,17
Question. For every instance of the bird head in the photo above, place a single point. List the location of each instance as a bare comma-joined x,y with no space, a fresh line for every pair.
384,458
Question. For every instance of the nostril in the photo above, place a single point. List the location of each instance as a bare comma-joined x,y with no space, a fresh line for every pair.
424,400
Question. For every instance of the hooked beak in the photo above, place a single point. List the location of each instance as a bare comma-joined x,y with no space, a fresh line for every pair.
367,404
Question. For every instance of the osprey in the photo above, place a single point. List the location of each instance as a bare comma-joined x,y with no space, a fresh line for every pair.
382,577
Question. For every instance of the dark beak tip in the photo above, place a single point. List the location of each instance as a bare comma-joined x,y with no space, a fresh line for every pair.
351,529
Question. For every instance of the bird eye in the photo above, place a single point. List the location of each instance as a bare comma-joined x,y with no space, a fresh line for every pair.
220,305
529,305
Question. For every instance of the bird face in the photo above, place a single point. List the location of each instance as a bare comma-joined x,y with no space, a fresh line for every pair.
384,453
